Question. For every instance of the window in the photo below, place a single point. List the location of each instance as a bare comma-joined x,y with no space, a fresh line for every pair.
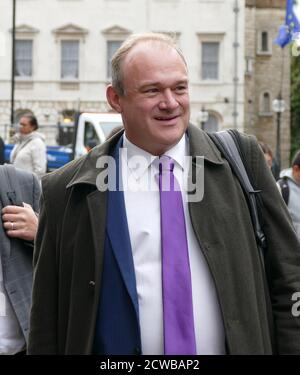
210,60
212,124
23,58
112,46
266,105
264,42
248,65
264,47
69,59
90,135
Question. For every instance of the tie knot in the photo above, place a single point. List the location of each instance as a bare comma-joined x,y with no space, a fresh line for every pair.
166,164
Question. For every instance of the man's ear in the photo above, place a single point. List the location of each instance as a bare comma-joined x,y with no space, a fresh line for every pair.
113,98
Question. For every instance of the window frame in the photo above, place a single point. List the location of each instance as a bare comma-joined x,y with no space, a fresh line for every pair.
211,38
69,79
259,50
217,78
115,33
26,77
262,112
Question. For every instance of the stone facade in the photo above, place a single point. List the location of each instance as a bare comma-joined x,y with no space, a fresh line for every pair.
267,73
93,23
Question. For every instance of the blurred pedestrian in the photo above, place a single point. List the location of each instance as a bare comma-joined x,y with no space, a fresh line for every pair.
270,160
90,144
16,251
289,184
29,152
267,153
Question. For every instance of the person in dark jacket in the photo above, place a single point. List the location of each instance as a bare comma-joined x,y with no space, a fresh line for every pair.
2,151
102,284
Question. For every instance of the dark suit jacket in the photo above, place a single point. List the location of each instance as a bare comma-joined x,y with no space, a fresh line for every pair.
2,151
71,239
117,333
16,256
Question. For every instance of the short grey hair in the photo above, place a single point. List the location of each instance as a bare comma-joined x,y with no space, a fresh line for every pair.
127,45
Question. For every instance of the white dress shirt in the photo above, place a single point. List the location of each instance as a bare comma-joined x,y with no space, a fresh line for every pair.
142,202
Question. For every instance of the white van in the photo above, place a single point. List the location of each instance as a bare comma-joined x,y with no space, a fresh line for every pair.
92,129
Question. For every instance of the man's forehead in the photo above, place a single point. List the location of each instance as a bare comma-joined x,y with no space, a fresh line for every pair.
146,49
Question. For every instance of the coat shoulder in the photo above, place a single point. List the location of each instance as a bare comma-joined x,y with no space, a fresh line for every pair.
58,180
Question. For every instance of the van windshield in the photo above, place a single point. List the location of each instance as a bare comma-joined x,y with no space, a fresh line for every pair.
108,127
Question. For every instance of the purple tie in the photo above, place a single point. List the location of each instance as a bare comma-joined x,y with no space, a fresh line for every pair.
179,333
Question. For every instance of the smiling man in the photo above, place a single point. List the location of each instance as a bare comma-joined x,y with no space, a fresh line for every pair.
146,271
153,98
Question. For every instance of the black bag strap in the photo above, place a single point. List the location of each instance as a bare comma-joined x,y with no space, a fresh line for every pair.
10,191
229,146
285,190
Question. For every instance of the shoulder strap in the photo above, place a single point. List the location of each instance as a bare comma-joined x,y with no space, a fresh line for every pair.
229,147
285,190
10,191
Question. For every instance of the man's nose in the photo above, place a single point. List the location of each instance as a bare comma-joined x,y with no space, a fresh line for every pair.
168,100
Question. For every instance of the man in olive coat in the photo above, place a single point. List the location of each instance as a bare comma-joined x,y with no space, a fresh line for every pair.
97,281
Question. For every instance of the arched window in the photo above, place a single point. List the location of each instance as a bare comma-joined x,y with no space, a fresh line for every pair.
266,103
212,124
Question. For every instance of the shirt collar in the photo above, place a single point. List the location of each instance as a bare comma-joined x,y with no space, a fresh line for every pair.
177,153
133,154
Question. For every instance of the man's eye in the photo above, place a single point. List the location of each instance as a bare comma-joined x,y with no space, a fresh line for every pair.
181,88
152,90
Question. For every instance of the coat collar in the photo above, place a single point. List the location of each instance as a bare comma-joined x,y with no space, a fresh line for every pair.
88,165
200,145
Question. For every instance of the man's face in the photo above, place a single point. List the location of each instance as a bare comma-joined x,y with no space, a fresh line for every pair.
268,159
296,173
25,126
155,106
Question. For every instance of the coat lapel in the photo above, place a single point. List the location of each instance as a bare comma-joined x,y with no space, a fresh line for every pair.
107,209
118,233
97,212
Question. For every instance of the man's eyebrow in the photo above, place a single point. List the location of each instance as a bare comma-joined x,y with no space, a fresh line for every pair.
157,84
149,84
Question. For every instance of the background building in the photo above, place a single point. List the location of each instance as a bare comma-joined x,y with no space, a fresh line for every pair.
267,73
63,49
